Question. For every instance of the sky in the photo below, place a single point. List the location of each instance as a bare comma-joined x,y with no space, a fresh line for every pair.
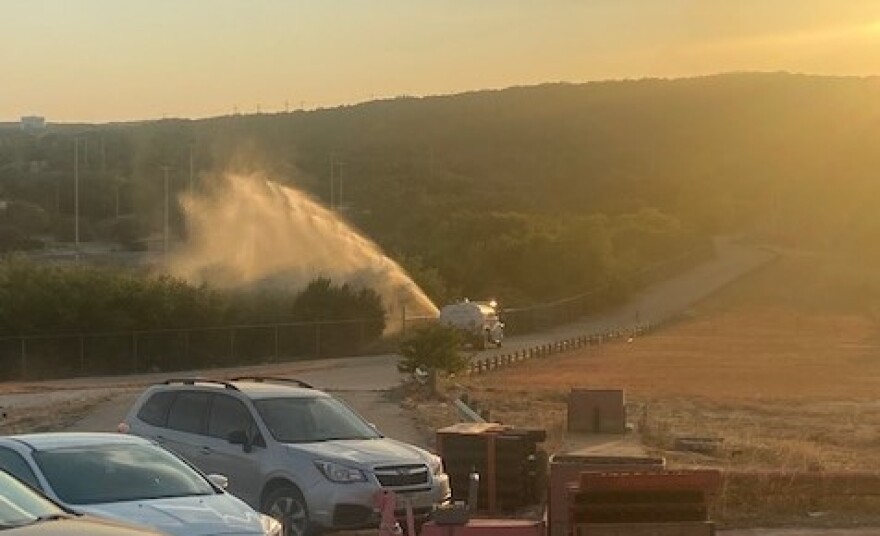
109,60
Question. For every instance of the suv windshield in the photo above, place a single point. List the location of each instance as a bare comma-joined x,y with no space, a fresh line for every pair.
303,420
19,505
117,473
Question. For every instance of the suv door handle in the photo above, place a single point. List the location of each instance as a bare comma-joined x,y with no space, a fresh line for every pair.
206,451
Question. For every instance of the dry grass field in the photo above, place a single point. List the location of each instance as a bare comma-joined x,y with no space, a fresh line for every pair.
783,366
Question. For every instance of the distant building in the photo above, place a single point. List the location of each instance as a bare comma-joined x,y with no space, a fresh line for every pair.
33,123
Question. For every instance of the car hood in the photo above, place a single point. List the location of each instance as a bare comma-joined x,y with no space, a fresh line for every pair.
184,516
364,453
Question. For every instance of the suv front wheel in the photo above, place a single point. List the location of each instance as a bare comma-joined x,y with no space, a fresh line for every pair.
288,507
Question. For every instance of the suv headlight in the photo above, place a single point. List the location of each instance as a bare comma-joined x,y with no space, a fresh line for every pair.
436,465
340,473
271,527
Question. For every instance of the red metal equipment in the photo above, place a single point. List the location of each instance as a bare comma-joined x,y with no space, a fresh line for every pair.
566,469
669,502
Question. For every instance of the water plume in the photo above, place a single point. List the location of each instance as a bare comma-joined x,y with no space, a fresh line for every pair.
252,231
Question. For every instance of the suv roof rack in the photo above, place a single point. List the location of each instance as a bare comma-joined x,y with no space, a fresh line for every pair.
193,381
276,379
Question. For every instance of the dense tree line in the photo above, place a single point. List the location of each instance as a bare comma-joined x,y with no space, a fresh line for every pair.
40,298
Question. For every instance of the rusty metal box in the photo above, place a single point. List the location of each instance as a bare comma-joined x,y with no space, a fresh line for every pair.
601,411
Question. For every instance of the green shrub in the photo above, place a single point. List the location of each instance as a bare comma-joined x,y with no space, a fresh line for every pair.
433,347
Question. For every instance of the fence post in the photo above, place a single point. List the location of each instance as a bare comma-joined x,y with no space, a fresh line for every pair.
317,340
186,346
23,364
403,319
82,354
134,349
276,341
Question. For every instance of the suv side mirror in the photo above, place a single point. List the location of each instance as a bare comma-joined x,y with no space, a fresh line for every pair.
240,437
219,480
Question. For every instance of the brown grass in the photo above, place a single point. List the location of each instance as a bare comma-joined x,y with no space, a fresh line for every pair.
786,374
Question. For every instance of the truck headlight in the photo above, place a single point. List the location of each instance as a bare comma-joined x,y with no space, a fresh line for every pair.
340,473
271,527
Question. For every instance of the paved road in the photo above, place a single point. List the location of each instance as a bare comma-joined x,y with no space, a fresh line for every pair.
658,302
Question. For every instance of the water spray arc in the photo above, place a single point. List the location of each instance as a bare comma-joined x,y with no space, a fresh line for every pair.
250,230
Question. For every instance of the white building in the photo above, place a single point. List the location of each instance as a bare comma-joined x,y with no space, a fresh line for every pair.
33,123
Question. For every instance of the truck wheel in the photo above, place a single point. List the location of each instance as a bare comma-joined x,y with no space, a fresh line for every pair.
482,341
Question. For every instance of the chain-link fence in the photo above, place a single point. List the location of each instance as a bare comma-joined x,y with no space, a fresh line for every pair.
85,354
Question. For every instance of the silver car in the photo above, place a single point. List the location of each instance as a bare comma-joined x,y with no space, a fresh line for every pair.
130,479
291,451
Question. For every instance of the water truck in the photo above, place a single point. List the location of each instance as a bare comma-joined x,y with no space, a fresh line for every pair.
478,322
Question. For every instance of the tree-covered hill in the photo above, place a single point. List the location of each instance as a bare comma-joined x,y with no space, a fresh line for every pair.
529,193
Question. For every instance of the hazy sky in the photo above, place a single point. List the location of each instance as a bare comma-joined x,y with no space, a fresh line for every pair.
104,60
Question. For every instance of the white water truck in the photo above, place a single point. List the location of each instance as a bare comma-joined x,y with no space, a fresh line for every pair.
478,322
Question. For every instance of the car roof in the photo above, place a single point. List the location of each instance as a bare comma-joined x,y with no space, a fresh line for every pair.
252,389
59,440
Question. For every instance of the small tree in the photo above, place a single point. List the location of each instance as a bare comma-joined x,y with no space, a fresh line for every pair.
433,348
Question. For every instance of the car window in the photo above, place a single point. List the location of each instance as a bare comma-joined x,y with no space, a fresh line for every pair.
14,464
117,473
155,410
301,420
188,412
228,415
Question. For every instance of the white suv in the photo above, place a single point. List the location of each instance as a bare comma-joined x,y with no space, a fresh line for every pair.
289,450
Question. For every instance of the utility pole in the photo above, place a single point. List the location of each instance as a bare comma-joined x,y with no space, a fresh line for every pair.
339,176
76,197
165,226
190,168
332,178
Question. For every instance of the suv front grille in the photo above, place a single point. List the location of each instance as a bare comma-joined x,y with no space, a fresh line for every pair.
398,476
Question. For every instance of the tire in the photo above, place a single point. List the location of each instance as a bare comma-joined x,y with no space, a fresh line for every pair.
289,508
